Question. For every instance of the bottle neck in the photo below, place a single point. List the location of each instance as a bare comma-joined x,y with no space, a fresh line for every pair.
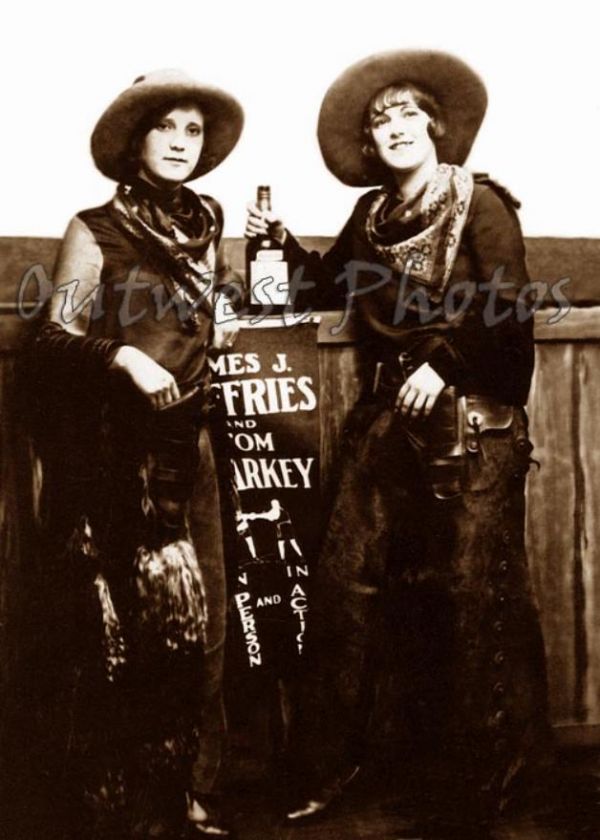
263,199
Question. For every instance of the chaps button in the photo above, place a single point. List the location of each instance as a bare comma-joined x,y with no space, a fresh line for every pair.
499,718
498,626
506,537
503,567
499,658
499,689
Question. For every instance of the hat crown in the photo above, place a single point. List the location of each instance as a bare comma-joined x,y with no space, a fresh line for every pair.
168,76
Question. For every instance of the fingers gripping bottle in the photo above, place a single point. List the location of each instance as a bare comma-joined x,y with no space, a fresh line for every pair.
266,268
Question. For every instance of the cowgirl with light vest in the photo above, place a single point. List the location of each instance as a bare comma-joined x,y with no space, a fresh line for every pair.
131,494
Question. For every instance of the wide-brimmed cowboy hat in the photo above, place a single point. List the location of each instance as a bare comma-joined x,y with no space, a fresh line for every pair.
111,137
457,89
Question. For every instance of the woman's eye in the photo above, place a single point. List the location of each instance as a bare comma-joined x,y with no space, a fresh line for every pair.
163,126
194,130
378,121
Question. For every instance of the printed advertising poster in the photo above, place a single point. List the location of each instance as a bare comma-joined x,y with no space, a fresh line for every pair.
270,391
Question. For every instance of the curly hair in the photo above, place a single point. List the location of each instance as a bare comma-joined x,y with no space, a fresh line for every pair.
392,95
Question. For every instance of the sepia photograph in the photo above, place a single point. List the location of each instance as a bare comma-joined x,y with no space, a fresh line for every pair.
299,377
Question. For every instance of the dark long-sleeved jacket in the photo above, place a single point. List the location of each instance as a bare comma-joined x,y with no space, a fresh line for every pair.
465,344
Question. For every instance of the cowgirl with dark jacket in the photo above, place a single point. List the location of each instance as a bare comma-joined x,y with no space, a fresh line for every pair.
142,290
427,524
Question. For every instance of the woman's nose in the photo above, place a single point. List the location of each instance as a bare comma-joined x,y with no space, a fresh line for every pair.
178,142
396,128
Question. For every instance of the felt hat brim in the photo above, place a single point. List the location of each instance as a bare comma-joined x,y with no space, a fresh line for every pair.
111,138
458,90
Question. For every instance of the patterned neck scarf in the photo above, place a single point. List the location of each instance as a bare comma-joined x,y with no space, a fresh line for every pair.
179,231
427,251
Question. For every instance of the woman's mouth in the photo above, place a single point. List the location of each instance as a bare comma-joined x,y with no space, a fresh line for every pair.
400,144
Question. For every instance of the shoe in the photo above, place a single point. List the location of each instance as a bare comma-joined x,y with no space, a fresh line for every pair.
312,807
204,818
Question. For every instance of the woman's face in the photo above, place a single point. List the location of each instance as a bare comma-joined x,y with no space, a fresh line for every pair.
401,137
171,150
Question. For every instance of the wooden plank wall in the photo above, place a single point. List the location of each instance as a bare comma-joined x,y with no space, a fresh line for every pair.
563,523
563,514
20,482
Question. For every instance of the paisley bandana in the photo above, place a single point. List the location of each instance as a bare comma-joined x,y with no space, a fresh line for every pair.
428,256
189,263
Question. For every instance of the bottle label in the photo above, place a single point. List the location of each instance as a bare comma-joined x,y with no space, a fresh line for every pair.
269,282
